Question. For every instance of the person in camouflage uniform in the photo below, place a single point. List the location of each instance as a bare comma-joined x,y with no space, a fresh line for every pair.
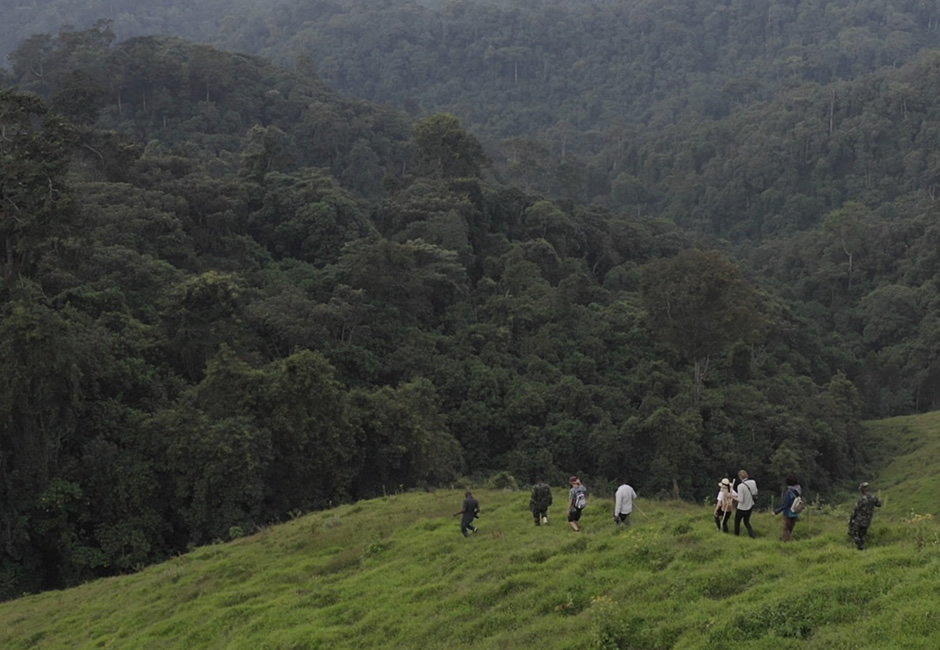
861,516
539,502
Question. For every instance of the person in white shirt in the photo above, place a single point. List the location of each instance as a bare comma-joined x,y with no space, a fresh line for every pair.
623,504
724,504
746,491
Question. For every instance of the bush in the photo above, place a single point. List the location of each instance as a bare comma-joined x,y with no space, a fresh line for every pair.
502,481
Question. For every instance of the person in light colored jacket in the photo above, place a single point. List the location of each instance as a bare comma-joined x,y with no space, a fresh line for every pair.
623,504
724,504
746,491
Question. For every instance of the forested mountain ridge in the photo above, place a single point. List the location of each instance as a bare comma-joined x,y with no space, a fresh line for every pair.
575,95
197,21
801,132
231,295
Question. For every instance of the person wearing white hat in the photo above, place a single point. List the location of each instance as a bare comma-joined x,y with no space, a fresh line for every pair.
725,504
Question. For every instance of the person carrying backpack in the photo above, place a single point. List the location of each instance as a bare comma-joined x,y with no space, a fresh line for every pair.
540,501
577,501
747,490
791,507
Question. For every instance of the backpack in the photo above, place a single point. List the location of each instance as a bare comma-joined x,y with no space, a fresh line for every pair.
580,500
541,496
798,504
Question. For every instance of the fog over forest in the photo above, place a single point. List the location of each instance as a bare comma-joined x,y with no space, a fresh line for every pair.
264,259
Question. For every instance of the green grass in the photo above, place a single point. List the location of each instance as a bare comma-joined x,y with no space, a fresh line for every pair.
395,573
910,481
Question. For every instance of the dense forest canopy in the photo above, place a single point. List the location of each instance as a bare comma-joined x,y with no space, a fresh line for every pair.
231,293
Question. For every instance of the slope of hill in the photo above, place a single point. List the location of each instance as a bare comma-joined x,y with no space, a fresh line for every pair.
394,572
910,481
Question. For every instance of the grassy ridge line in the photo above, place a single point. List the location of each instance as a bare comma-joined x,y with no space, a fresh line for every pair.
910,481
395,573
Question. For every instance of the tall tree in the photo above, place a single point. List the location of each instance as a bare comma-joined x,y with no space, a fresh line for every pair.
445,149
698,304
35,201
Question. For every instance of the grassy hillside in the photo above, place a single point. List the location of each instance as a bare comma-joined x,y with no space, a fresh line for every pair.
395,572
910,446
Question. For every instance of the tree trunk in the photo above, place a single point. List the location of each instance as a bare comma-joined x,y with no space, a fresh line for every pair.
701,369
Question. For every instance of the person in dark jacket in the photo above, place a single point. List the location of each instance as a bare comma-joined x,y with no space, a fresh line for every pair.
470,511
539,502
861,516
786,507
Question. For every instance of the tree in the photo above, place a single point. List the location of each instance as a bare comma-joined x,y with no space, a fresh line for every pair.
307,216
402,439
314,451
41,362
698,304
418,279
201,313
848,225
445,149
35,202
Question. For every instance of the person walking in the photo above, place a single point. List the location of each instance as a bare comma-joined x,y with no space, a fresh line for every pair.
746,491
539,502
861,516
724,505
792,498
577,501
623,504
470,511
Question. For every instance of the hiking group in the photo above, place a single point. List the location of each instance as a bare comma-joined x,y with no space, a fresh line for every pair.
541,499
738,498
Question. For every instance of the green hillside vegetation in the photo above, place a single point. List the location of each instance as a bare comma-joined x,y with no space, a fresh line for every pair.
394,572
231,296
911,478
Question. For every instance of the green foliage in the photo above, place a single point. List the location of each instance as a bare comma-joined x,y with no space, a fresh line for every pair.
233,296
697,302
502,481
901,449
445,149
35,201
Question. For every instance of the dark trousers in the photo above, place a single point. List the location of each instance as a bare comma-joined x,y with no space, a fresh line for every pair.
466,526
721,520
538,514
745,516
858,535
